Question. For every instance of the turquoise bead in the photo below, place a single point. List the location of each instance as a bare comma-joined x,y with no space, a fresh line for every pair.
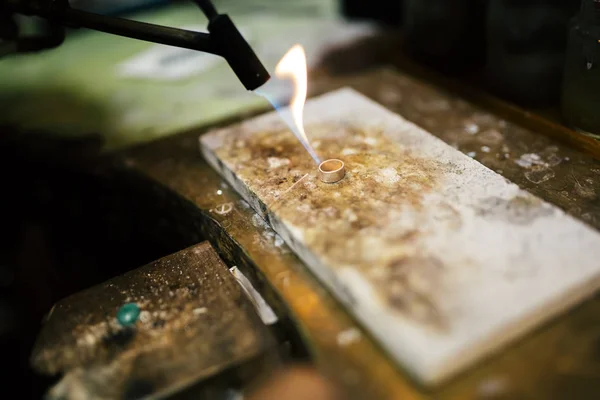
128,314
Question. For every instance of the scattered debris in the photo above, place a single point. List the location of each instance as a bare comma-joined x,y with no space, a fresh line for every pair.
145,316
539,174
200,310
233,394
554,160
348,337
493,387
275,162
390,96
223,209
490,137
585,188
528,160
472,129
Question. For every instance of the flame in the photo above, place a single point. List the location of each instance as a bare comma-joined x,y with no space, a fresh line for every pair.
293,66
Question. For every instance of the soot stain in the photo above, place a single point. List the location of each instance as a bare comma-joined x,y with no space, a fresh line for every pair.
412,281
344,221
520,210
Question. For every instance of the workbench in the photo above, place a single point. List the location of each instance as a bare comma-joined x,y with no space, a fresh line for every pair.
559,360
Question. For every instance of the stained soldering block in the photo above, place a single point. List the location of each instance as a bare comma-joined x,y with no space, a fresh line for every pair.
440,258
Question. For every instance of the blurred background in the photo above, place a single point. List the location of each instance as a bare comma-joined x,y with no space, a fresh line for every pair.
70,221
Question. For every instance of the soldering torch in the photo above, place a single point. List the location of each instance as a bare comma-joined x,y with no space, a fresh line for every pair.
223,38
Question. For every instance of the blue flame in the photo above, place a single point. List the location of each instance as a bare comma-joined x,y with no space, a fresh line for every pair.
276,89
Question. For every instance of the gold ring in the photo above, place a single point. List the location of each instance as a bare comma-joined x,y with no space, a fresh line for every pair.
331,171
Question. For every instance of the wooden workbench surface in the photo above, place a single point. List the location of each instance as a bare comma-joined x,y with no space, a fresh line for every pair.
558,360
196,322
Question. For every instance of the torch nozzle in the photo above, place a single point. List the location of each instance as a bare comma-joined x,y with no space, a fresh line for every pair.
232,46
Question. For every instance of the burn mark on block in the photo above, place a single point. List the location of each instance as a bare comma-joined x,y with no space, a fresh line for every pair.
519,210
416,287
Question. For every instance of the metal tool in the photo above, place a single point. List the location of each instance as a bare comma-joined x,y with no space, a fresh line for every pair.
223,39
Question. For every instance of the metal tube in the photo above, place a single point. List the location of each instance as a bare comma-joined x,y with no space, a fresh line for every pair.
207,8
140,30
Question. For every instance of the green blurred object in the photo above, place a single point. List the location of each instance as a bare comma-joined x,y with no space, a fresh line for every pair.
128,314
128,91
581,85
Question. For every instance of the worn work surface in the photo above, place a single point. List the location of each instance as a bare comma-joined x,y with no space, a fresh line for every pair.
195,322
559,360
427,247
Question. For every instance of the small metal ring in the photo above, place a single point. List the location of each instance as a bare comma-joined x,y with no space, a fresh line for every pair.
332,170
